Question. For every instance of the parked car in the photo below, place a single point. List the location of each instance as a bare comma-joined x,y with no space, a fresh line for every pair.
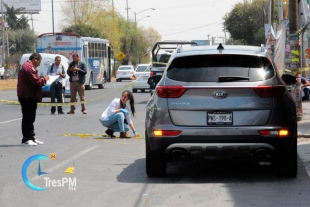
124,72
161,53
221,102
47,61
140,77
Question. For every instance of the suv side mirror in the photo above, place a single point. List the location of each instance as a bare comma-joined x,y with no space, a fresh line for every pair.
152,81
289,79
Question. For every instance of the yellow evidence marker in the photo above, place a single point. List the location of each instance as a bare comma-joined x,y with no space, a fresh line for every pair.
70,170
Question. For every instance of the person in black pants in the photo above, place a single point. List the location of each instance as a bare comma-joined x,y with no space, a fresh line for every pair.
58,70
29,92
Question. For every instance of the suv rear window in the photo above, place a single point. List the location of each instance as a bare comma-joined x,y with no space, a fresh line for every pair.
208,68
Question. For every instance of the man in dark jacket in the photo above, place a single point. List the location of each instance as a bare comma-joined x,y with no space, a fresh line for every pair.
29,91
77,72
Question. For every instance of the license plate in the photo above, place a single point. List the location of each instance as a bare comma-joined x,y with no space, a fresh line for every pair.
159,73
219,118
124,73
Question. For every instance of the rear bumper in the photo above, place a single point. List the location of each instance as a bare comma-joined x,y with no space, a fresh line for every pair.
221,146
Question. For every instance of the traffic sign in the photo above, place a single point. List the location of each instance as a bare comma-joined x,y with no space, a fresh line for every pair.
120,55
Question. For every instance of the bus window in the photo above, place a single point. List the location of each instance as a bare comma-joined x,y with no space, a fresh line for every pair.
96,49
100,50
91,49
85,51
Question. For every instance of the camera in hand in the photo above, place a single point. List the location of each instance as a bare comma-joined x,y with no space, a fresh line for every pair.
74,73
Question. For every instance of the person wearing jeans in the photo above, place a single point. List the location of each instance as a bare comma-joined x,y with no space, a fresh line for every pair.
116,117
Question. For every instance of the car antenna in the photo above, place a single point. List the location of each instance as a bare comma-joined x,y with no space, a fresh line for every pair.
220,47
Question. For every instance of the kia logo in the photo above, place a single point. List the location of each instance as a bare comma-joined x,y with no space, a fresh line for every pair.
219,94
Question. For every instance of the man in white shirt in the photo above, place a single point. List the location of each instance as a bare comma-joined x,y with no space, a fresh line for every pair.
58,70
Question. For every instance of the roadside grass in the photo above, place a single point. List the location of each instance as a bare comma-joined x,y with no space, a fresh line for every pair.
9,84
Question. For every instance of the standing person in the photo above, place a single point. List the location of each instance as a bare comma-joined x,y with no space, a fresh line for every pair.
29,91
116,117
77,72
57,69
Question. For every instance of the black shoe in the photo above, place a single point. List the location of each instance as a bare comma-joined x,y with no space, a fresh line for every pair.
52,113
110,133
61,112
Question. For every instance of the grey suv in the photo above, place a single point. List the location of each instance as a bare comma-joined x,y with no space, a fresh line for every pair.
221,102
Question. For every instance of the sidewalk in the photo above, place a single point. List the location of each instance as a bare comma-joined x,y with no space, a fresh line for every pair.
304,137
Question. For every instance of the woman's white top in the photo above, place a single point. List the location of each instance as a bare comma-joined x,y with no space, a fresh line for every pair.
115,105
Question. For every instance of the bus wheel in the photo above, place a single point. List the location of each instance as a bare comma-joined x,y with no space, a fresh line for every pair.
90,84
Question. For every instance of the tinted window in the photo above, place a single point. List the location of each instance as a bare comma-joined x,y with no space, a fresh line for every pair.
162,59
208,68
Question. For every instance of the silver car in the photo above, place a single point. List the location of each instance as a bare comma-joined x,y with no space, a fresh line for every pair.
140,77
221,102
124,72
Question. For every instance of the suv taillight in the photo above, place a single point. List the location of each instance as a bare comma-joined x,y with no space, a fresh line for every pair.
170,91
151,73
270,91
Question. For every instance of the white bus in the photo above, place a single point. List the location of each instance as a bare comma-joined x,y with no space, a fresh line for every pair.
94,52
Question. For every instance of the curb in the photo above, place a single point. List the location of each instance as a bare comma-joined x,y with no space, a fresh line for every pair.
299,135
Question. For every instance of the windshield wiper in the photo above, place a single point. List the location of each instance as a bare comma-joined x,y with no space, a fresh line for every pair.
232,78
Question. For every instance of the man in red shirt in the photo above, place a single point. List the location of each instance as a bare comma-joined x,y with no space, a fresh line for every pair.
29,91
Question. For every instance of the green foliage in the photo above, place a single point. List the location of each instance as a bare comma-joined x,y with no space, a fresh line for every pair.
13,21
20,42
82,30
246,21
124,36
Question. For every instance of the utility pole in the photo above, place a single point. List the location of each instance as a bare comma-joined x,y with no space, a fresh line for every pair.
127,10
293,16
2,31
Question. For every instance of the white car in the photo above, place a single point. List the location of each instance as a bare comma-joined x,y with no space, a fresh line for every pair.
140,77
124,72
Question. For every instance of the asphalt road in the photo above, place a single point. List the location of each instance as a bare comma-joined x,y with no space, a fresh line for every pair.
111,172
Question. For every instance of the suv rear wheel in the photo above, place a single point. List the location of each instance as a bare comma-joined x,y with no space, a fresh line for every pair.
287,166
156,163
287,162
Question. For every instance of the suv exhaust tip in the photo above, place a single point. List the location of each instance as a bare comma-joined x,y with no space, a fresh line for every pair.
179,153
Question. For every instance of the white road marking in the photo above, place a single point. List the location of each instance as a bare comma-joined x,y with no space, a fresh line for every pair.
69,160
4,122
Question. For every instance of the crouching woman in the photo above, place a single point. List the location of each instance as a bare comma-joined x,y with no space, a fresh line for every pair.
117,116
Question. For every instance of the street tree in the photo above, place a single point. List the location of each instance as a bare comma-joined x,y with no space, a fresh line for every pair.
15,22
245,22
147,37
20,42
82,30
